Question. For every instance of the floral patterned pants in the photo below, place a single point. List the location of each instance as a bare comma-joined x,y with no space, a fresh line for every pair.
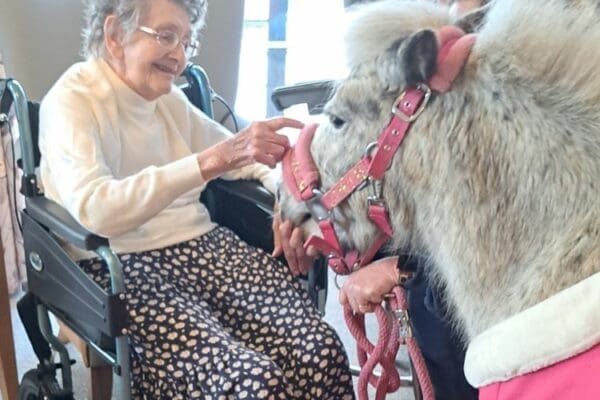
215,318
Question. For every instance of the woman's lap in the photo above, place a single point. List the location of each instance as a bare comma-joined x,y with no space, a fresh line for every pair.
216,298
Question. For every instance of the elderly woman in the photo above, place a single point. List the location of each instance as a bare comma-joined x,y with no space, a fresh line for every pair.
126,154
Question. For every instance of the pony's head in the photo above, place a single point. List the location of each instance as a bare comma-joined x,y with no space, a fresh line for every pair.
392,46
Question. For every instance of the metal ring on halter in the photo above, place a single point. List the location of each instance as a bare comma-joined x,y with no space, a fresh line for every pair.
403,318
335,281
317,210
369,149
410,118
376,190
368,154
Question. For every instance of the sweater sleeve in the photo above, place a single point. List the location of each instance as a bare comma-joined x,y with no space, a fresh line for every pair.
206,132
75,172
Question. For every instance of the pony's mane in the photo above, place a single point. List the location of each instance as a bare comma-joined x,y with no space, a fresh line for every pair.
373,27
549,41
516,34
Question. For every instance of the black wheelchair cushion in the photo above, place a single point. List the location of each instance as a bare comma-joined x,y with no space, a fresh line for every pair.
245,207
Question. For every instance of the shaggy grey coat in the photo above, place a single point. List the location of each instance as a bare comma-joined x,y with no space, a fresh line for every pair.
497,182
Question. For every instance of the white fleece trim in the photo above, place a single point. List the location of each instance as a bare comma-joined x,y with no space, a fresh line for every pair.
560,327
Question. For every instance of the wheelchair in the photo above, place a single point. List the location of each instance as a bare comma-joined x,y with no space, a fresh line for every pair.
56,284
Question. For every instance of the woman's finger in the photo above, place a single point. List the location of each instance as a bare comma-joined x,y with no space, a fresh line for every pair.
354,296
290,254
343,297
312,252
283,122
266,159
264,136
277,247
275,150
304,262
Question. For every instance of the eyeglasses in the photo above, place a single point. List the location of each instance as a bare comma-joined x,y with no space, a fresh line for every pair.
170,40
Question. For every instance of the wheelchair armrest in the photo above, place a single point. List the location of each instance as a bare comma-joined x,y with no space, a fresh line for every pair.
58,220
315,94
250,191
243,206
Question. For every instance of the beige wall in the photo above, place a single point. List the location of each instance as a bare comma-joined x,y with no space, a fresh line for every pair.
41,38
221,39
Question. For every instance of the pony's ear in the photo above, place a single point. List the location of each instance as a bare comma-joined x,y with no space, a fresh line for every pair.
472,21
419,58
410,61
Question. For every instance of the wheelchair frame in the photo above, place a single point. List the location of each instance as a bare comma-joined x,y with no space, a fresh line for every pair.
57,284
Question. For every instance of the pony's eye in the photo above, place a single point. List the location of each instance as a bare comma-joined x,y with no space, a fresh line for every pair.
337,122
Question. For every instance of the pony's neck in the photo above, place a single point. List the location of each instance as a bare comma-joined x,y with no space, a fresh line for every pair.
497,214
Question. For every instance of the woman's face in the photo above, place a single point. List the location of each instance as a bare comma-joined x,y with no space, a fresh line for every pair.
145,65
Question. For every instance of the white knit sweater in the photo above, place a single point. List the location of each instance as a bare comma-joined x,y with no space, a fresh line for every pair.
126,167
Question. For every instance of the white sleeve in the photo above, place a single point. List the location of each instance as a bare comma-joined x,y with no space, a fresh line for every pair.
206,132
75,172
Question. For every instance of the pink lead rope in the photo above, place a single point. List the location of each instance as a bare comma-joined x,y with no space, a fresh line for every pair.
384,353
301,176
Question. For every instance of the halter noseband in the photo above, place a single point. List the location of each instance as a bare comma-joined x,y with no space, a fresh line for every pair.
301,175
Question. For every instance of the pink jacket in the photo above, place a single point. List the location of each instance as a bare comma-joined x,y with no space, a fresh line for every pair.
550,351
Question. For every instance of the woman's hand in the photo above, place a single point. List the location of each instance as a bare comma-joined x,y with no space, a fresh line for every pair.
259,142
289,240
365,288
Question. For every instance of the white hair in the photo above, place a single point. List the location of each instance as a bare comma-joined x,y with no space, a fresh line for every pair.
128,13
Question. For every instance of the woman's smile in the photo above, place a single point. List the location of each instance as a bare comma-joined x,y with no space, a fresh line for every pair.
170,70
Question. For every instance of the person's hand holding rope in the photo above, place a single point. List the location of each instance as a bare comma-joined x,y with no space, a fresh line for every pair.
365,289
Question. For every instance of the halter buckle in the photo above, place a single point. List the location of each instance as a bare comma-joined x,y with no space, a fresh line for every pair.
410,118
369,149
404,320
316,208
376,190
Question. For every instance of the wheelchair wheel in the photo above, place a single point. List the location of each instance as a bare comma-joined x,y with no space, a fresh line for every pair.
37,385
30,386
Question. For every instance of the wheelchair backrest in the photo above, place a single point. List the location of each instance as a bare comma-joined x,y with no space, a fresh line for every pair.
198,89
